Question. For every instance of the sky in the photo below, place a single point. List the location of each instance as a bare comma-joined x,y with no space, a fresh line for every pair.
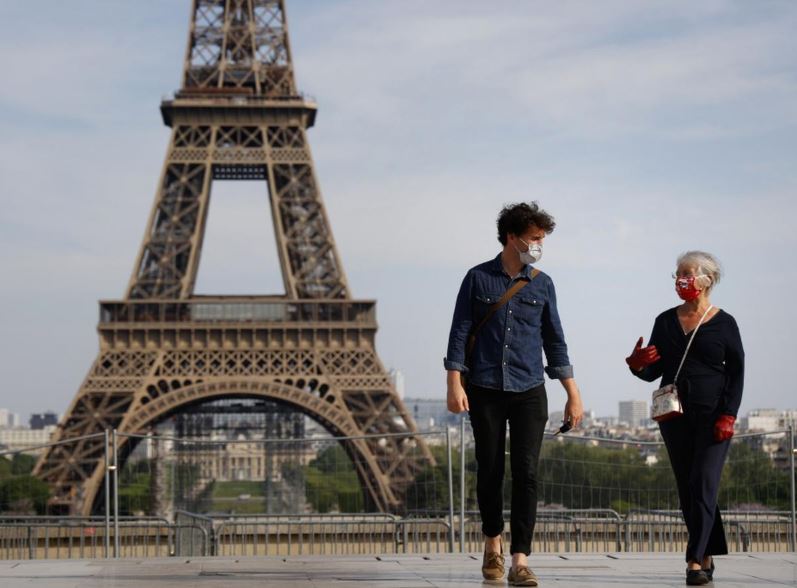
645,128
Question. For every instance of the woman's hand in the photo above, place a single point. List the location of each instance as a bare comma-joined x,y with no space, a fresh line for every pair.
723,428
642,357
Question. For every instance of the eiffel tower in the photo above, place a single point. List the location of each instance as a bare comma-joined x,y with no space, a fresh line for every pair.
237,116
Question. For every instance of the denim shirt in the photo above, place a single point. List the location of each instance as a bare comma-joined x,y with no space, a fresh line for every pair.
508,350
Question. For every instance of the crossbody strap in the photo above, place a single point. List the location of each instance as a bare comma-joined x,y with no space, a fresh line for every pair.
511,291
692,338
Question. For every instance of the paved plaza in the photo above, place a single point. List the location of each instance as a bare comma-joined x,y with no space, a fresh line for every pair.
410,571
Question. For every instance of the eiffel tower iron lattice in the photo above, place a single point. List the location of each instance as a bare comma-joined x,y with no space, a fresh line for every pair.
237,115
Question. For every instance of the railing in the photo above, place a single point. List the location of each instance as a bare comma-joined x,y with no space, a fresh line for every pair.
237,310
194,535
52,537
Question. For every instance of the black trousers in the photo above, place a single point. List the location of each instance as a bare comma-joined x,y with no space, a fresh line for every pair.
526,412
697,462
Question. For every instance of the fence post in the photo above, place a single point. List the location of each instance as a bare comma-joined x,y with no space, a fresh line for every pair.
107,494
450,492
462,484
791,468
115,472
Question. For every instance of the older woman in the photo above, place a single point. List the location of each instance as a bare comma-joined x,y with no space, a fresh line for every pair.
710,388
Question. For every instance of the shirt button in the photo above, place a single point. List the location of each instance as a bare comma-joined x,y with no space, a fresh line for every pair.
510,312
509,328
507,346
504,363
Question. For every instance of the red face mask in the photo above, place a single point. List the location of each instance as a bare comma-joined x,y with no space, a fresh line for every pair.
685,288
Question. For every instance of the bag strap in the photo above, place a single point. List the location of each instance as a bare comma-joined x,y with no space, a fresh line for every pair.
511,291
692,338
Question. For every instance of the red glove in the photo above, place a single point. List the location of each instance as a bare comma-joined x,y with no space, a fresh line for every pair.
723,428
642,357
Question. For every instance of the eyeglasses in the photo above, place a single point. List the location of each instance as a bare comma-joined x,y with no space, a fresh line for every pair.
675,276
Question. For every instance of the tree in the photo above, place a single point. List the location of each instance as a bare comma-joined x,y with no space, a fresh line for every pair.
24,495
332,483
22,464
750,479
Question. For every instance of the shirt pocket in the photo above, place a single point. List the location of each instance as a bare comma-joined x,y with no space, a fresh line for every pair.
482,304
529,308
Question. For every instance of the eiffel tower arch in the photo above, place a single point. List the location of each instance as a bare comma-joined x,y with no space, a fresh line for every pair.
237,116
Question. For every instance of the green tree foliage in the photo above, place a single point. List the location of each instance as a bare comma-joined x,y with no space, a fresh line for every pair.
332,484
750,480
20,492
18,465
24,494
22,464
429,491
575,475
135,494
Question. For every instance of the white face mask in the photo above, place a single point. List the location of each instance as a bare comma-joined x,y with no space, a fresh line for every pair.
533,254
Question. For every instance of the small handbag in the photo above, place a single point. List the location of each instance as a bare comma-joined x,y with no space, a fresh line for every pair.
666,402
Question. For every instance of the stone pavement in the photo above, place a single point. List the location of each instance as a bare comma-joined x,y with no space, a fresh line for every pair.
614,570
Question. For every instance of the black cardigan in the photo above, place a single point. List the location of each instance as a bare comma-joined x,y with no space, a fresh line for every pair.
713,373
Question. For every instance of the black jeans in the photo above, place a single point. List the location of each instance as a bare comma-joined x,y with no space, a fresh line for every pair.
527,413
697,462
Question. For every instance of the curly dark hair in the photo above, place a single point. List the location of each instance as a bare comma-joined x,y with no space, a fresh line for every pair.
517,218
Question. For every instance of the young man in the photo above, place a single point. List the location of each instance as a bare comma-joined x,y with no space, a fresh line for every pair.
504,372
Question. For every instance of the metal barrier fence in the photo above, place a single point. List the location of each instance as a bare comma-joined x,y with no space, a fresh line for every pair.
53,537
317,534
440,517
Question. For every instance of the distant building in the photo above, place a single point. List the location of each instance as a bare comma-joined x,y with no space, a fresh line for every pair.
555,420
768,419
634,413
8,419
42,420
19,439
606,421
397,379
430,413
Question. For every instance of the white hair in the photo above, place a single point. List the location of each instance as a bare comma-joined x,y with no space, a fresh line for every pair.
706,263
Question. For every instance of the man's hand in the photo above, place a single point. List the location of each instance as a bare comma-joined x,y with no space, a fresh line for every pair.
642,357
574,410
456,399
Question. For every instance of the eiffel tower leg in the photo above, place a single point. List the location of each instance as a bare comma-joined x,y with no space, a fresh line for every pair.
75,468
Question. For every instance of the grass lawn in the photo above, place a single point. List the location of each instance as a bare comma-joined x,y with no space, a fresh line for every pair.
235,488
238,506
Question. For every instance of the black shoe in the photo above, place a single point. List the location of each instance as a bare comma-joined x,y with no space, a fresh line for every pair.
696,578
710,571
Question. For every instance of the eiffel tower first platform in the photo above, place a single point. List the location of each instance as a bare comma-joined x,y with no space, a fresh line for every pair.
238,116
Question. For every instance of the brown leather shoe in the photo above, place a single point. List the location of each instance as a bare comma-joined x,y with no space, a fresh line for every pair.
521,576
493,565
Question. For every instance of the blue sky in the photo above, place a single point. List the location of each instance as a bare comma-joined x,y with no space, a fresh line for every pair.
645,128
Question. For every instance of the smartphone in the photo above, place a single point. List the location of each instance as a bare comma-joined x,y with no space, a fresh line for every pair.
566,426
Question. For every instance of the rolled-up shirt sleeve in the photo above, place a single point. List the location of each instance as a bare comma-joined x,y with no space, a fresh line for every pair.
460,328
553,340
